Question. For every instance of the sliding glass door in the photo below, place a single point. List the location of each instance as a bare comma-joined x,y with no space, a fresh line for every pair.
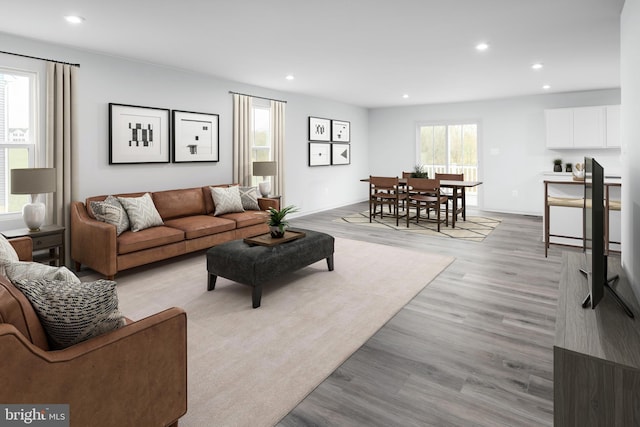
450,148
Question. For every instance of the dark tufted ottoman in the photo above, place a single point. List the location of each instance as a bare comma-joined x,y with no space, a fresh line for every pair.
255,265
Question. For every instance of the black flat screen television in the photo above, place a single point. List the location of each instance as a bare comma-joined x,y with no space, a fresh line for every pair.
595,258
594,238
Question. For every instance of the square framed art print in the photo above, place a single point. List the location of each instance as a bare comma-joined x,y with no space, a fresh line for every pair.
196,137
138,134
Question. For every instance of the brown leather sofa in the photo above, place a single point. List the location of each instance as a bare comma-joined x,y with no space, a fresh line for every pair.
133,376
189,225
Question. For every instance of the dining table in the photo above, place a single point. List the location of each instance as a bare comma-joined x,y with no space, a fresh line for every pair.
455,186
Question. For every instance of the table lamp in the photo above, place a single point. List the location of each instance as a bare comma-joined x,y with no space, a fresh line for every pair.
34,181
265,169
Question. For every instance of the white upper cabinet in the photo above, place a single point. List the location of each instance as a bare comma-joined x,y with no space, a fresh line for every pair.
613,126
583,127
559,128
588,127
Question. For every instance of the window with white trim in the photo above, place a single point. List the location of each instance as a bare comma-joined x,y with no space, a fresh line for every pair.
261,151
18,132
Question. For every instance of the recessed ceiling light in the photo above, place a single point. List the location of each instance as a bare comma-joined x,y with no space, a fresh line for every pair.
482,46
74,19
537,66
546,87
405,96
289,77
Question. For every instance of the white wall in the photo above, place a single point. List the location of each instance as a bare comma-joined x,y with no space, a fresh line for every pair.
104,79
630,72
512,143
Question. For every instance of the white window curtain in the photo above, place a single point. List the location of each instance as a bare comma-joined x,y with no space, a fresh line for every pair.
242,138
278,136
61,111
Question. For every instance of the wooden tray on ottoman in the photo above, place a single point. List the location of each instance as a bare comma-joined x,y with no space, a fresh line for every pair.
267,240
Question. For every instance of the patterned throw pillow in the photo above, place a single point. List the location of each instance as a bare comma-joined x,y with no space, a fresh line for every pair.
141,211
7,253
111,211
73,312
226,200
33,270
249,197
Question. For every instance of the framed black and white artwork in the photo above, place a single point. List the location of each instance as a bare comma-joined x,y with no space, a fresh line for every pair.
319,129
138,134
319,154
196,137
340,154
340,131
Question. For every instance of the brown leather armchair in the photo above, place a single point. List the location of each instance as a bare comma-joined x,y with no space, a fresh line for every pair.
133,376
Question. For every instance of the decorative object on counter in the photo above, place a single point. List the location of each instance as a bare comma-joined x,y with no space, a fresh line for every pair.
567,167
557,165
419,172
277,222
34,181
578,172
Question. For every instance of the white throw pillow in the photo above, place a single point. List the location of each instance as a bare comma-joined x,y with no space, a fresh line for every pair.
34,270
141,211
226,200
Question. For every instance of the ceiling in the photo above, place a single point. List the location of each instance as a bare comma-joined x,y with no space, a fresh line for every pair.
362,52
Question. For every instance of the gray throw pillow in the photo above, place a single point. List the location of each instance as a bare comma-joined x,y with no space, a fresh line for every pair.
7,254
73,312
226,200
249,198
111,211
34,270
141,211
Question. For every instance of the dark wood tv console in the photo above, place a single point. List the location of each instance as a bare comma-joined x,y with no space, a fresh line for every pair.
596,356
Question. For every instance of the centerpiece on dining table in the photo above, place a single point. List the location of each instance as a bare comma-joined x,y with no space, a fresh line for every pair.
419,172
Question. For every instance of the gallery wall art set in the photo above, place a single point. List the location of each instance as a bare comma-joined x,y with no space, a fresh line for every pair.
142,135
329,142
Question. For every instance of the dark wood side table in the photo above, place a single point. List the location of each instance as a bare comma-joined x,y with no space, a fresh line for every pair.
48,243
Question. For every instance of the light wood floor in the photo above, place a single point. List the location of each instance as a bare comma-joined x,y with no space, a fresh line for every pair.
475,347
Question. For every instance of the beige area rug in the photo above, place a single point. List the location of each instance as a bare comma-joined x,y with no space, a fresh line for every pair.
251,367
475,228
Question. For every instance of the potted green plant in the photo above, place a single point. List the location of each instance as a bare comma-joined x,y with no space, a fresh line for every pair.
557,165
567,167
277,222
419,172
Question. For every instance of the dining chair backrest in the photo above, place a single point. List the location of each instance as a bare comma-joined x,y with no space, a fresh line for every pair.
383,182
406,175
423,185
450,176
